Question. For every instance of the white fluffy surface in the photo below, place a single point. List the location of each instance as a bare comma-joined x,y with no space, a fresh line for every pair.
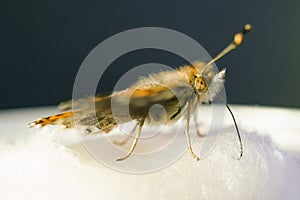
46,163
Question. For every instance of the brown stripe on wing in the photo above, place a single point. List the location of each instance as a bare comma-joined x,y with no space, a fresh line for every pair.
62,118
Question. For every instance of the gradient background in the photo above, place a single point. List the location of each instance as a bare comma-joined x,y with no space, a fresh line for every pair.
43,44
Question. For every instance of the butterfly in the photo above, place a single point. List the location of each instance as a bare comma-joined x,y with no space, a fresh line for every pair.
180,92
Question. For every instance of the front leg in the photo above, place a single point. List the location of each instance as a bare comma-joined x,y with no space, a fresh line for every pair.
187,134
199,133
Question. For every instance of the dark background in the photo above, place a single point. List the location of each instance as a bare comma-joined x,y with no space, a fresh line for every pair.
43,44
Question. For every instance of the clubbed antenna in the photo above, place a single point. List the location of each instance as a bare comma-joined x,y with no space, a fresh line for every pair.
237,41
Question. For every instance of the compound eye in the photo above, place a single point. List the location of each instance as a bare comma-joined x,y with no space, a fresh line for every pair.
200,84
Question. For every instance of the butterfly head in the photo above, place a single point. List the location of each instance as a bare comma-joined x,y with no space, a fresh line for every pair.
207,85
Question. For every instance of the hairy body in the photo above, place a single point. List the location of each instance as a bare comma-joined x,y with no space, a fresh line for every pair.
179,93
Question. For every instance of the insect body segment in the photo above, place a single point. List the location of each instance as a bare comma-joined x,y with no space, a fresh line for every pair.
179,92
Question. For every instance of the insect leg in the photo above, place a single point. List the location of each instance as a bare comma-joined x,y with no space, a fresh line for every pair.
197,126
136,138
127,137
187,134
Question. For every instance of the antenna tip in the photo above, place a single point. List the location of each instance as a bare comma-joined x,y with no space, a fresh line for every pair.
239,37
247,27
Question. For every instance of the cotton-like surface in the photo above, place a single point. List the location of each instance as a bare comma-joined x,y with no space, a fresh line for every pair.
39,164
